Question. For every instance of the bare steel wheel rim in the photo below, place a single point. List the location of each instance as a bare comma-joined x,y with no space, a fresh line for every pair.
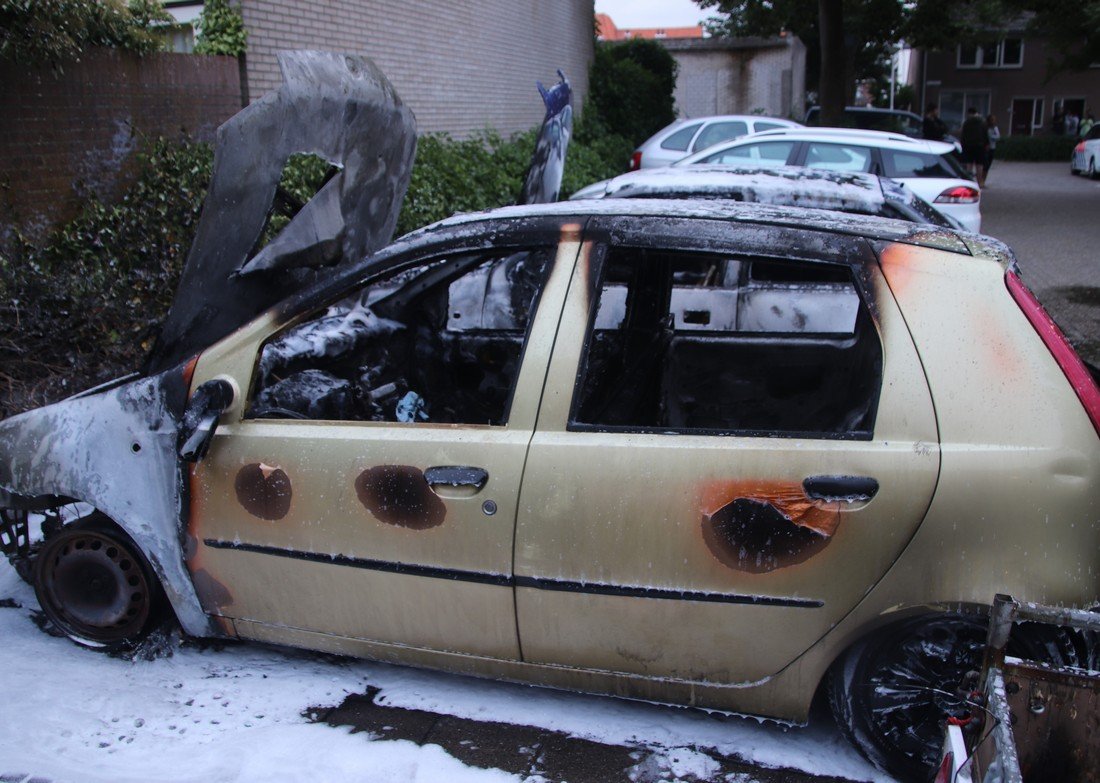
93,587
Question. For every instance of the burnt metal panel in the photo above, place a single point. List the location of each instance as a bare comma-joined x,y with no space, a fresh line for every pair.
338,107
117,451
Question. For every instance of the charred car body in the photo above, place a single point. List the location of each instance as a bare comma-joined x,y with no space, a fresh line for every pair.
691,451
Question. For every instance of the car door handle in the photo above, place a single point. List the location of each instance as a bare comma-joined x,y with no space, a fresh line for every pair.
850,488
456,480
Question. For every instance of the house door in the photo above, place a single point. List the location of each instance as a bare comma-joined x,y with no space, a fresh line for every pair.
1023,116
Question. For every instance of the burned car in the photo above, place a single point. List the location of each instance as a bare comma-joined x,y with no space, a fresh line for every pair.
701,452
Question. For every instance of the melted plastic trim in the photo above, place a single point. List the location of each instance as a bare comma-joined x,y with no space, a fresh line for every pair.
502,580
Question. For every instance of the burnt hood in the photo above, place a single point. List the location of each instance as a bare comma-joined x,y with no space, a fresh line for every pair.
338,107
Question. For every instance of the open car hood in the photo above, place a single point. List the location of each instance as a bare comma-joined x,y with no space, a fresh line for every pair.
338,107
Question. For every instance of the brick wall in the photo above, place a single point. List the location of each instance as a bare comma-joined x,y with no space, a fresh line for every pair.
740,76
460,66
66,136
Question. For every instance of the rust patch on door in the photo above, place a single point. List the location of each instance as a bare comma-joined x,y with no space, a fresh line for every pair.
759,527
264,491
400,495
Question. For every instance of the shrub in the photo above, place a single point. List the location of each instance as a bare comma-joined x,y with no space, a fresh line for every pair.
86,305
630,88
1036,148
221,30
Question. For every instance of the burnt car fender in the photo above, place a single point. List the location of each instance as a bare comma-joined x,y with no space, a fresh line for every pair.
117,451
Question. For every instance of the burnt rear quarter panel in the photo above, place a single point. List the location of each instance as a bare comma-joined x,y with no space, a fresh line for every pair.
1017,508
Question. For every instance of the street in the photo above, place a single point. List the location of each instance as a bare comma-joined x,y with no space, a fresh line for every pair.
1049,218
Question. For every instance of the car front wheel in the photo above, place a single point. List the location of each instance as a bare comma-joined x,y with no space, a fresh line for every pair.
93,584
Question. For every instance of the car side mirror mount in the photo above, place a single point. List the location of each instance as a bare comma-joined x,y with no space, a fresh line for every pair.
200,419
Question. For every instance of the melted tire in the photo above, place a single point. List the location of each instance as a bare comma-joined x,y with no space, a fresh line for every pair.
891,691
95,586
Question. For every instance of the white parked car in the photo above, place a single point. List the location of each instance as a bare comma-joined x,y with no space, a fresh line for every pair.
674,141
1086,155
929,168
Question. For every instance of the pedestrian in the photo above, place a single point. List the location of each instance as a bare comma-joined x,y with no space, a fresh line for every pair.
1086,125
975,142
994,134
933,127
1058,122
1072,123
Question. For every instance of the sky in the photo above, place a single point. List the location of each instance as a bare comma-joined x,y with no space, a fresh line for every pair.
652,13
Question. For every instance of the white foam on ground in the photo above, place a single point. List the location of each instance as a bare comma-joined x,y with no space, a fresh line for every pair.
235,714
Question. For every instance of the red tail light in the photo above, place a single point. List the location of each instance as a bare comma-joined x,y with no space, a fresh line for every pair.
962,194
1076,372
1080,147
636,160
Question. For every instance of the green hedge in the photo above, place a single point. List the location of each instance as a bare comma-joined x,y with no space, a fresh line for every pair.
1036,148
85,305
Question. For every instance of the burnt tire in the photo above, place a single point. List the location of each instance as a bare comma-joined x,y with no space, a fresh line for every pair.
95,586
891,692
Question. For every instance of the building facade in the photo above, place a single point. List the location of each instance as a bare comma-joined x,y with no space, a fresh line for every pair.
740,76
1008,78
461,67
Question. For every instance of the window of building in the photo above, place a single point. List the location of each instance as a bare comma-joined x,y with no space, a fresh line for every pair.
969,56
954,105
1012,53
441,343
1006,53
687,342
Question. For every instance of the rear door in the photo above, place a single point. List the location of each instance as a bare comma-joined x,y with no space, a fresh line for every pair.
736,441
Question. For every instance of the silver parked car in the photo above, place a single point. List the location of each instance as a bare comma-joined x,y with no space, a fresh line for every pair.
691,135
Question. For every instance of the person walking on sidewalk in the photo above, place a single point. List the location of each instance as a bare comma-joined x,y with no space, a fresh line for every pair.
975,143
994,134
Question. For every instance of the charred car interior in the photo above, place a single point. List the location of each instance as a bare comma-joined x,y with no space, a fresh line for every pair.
684,343
439,344
722,454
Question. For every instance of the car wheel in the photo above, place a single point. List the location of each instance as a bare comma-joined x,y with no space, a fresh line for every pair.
94,584
891,692
1091,173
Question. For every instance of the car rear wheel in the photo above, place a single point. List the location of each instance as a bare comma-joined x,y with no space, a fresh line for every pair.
93,584
890,693
1091,173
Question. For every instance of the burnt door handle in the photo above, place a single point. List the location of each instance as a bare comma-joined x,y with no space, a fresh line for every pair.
456,476
850,488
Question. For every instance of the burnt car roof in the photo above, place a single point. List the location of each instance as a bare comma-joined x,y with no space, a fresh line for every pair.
778,185
869,226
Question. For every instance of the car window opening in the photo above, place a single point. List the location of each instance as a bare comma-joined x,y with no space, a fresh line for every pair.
440,343
688,342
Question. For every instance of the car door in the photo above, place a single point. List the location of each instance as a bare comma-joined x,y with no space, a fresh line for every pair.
736,441
365,483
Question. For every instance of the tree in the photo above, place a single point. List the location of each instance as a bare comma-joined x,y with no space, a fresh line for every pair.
863,34
34,32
